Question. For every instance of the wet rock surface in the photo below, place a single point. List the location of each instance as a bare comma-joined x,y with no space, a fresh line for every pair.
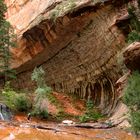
5,113
24,131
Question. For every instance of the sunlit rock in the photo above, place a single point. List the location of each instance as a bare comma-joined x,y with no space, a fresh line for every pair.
67,122
12,136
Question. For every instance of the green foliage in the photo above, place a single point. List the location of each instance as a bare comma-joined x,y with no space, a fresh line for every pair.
71,5
132,99
134,22
54,14
38,76
133,36
89,105
15,101
9,96
43,114
92,116
132,91
40,113
91,113
54,101
22,103
7,39
42,91
3,9
61,115
40,106
109,123
65,6
135,121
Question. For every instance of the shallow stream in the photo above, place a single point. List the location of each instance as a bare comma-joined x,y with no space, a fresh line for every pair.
23,131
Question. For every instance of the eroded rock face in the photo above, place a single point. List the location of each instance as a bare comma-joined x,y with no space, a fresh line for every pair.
132,56
77,50
24,14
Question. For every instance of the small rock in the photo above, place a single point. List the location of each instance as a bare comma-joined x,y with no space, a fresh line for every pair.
129,134
24,126
67,122
11,137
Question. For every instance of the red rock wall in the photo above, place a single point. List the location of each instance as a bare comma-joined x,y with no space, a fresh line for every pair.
79,55
14,6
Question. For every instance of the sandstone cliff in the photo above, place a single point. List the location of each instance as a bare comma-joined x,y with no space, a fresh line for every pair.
75,41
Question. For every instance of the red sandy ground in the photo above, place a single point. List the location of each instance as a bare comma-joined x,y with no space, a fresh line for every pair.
70,106
74,107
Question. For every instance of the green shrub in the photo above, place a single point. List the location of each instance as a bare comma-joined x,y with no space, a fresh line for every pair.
43,114
90,116
15,101
42,91
22,103
71,5
38,76
91,113
135,121
133,36
40,107
40,113
132,99
134,21
132,91
9,98
89,105
55,101
61,115
54,14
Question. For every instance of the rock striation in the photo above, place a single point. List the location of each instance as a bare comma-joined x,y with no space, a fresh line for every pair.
76,42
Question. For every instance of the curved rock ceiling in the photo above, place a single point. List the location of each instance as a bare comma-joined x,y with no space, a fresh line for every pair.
77,50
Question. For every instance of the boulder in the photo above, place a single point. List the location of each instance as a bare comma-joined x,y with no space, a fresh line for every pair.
132,56
120,84
5,112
